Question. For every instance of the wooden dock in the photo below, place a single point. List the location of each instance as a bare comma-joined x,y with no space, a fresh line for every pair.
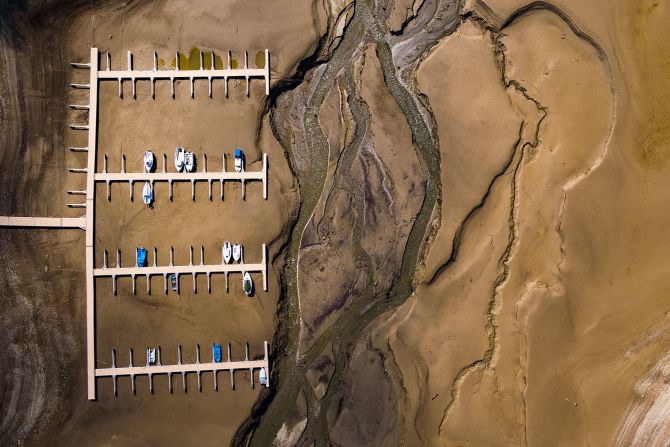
193,177
202,73
87,224
190,269
189,368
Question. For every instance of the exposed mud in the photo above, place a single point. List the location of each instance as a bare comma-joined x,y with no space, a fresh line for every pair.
465,221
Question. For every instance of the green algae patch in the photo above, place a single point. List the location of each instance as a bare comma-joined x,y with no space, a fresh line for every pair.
207,61
192,60
260,59
183,62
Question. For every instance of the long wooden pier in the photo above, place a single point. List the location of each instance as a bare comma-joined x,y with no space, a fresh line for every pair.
43,222
190,269
202,73
193,177
184,369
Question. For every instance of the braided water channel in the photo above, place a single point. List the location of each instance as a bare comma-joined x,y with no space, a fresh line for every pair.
291,365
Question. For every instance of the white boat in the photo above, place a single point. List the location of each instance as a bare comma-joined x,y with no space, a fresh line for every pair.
237,252
247,284
179,159
262,377
189,161
148,194
226,251
148,161
151,356
239,160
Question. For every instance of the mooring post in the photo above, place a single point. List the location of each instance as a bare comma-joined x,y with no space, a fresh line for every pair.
197,360
132,376
265,268
267,72
265,176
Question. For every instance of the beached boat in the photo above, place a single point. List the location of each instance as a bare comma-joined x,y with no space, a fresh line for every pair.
216,350
237,252
141,256
247,284
226,252
179,158
262,377
148,161
189,161
151,356
239,160
148,194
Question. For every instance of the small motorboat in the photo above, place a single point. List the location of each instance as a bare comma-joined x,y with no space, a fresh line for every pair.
216,350
189,161
226,252
141,256
148,161
239,160
174,283
148,194
151,356
262,377
179,156
237,252
247,284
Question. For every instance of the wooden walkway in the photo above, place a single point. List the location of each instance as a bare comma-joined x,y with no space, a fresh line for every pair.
43,222
190,269
184,369
202,73
87,221
193,177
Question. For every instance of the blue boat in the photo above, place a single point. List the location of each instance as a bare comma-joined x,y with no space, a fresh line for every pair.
239,160
217,352
141,256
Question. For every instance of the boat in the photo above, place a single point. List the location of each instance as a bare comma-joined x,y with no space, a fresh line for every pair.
174,283
148,161
179,159
237,252
189,161
247,284
216,349
151,356
226,252
262,377
239,160
148,194
141,256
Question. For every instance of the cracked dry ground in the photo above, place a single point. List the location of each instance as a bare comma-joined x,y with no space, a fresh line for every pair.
477,255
